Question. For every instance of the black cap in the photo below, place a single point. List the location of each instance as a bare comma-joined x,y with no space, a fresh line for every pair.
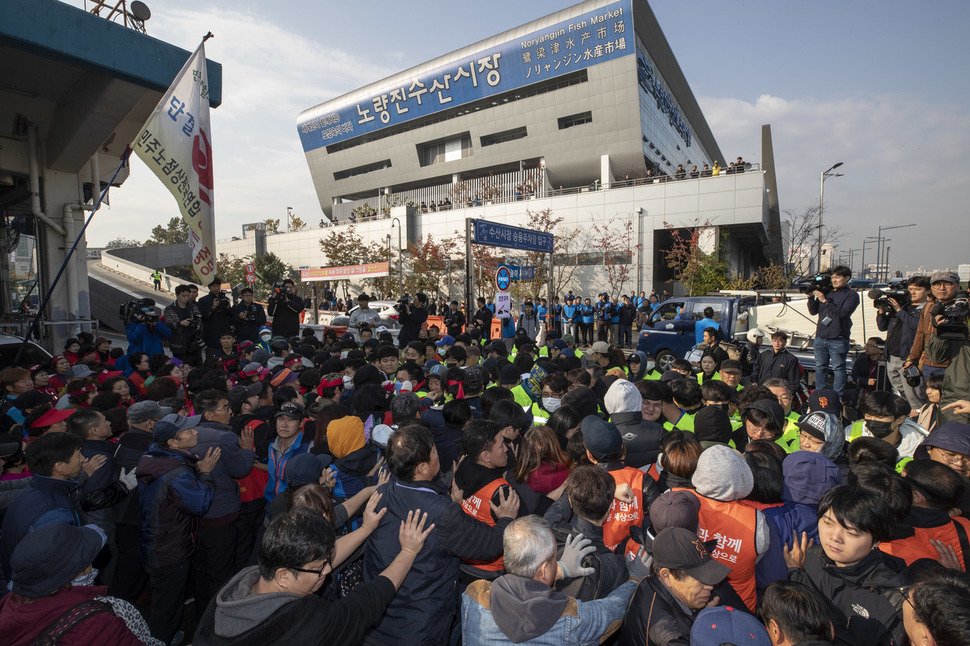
771,408
292,410
731,364
677,548
712,424
602,439
305,468
509,374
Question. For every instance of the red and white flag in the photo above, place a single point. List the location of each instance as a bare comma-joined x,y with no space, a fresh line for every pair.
176,143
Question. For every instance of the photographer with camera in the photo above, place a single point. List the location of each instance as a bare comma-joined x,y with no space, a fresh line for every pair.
285,308
364,315
949,344
483,319
247,317
834,303
454,319
944,285
216,320
412,315
143,328
898,317
185,321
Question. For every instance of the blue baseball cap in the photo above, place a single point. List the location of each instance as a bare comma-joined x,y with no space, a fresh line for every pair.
445,340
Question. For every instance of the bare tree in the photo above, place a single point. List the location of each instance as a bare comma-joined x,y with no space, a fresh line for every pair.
800,237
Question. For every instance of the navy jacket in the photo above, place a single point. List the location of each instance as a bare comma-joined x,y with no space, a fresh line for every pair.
839,305
44,501
234,463
173,496
422,610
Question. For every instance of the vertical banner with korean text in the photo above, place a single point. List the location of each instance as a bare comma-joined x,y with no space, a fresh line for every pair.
176,143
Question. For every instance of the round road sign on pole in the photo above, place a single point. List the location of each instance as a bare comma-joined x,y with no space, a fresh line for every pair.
250,268
250,278
503,278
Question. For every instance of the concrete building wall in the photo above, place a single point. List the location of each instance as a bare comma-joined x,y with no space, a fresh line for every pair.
731,202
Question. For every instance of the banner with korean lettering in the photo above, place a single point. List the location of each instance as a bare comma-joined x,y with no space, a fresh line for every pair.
586,39
176,144
370,270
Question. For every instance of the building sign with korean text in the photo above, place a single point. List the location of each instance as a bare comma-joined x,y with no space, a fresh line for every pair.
494,234
370,270
588,39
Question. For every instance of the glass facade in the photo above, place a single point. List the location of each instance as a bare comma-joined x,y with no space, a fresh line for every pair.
668,140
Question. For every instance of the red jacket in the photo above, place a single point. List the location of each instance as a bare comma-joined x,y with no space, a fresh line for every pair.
22,623
548,477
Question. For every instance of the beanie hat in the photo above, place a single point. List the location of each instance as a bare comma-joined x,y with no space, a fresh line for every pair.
722,474
623,397
345,435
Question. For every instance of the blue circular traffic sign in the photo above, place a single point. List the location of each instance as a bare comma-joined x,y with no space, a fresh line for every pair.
503,278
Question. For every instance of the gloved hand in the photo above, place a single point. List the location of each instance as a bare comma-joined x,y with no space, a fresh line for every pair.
638,566
128,479
576,549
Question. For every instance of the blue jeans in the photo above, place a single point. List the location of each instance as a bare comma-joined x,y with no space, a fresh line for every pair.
830,357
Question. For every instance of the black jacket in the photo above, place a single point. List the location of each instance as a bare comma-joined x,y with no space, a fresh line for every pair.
422,609
411,321
285,310
247,329
610,569
864,600
782,364
216,320
654,617
838,306
900,328
640,437
303,621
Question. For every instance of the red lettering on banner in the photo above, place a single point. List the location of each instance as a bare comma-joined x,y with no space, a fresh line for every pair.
202,163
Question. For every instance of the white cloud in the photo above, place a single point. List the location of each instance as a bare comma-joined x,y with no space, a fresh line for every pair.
269,76
904,162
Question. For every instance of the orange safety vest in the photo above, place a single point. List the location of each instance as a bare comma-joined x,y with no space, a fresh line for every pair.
623,516
477,506
732,525
918,546
653,473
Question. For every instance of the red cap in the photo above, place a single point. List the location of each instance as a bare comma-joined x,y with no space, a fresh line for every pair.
53,416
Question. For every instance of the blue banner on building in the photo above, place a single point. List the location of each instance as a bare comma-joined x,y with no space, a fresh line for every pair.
588,39
503,235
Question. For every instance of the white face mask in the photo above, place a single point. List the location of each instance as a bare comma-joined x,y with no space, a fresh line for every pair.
344,353
86,579
551,403
442,352
348,382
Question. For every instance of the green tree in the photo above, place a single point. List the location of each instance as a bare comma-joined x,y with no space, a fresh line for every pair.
697,271
271,225
177,232
122,243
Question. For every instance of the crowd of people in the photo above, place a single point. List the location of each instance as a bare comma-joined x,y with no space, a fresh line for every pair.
257,484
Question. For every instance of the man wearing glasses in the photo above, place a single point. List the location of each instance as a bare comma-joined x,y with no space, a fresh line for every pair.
274,602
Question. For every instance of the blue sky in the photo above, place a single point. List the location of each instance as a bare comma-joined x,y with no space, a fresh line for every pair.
880,86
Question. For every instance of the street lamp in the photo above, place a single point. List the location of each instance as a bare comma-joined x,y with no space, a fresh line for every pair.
868,240
821,197
879,257
400,260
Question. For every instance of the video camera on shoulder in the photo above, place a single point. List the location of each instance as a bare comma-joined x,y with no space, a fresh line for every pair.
282,288
142,310
955,313
222,300
880,297
817,283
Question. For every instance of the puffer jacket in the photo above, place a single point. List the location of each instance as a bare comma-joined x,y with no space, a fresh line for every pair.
173,495
864,600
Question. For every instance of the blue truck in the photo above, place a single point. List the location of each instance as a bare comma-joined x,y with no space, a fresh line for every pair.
669,333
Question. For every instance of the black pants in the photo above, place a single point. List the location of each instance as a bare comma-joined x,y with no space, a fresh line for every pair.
168,596
130,578
215,562
250,519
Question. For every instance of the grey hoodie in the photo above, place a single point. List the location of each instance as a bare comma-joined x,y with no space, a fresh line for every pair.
239,610
722,474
